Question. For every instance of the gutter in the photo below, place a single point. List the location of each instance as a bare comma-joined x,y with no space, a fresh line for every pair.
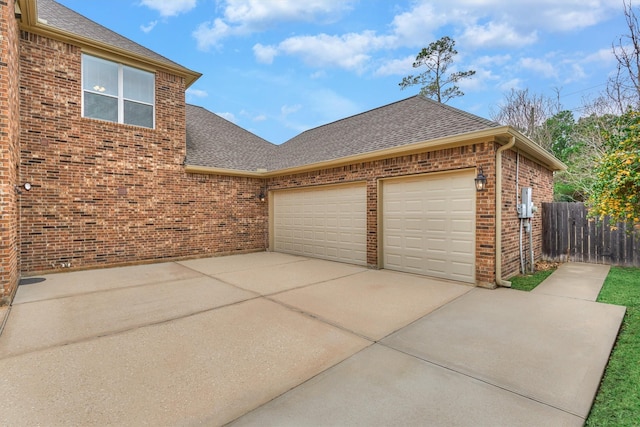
499,280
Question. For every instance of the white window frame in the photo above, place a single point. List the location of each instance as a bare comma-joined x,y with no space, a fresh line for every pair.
120,97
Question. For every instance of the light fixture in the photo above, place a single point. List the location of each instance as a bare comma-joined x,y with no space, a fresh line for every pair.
26,186
481,181
262,196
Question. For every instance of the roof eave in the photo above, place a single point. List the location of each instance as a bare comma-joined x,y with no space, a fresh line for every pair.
207,170
30,22
527,146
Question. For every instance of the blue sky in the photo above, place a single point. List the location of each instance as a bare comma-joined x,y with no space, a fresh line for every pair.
279,67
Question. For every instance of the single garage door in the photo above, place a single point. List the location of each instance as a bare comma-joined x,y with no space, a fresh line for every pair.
429,225
322,222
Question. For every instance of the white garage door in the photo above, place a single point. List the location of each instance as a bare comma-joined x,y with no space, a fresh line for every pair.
322,222
429,225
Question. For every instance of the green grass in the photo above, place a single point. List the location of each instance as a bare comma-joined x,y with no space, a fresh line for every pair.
618,400
530,281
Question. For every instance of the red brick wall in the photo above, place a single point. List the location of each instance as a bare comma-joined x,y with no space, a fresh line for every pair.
108,194
9,151
481,154
540,179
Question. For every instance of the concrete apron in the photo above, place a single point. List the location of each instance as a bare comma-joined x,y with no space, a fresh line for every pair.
290,340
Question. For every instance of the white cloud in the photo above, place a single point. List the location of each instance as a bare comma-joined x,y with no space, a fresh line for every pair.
492,60
510,84
577,73
350,51
264,54
228,116
260,13
209,34
414,27
169,7
396,67
497,23
496,35
601,56
287,110
541,66
320,74
197,93
150,26
260,118
242,17
482,80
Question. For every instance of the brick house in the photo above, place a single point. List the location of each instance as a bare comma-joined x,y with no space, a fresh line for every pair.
123,171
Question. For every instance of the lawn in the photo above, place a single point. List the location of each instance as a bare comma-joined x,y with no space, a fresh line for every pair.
530,281
618,400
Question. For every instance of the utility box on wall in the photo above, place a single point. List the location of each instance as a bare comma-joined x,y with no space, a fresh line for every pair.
526,207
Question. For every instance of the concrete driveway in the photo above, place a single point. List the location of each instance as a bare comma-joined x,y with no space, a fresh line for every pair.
275,339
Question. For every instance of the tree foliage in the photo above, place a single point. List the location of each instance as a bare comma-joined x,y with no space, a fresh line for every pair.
602,147
617,175
434,81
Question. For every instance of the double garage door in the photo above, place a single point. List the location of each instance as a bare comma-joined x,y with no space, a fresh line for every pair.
428,224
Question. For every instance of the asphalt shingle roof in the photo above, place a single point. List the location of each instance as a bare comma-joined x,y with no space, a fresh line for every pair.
63,18
411,120
214,142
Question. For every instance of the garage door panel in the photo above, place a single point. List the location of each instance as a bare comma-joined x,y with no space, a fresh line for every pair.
323,222
439,238
435,225
462,225
414,243
461,247
461,206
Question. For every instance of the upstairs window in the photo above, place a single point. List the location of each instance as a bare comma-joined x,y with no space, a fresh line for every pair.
117,93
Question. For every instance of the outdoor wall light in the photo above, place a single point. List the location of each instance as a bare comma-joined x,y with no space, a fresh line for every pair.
481,181
262,197
26,186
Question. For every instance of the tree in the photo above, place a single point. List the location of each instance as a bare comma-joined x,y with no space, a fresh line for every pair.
435,82
617,175
528,113
624,87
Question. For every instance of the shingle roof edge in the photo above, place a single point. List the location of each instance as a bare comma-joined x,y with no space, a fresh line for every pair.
505,132
31,22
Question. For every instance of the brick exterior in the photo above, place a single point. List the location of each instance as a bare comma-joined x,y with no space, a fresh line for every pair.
471,156
540,179
9,152
451,159
108,194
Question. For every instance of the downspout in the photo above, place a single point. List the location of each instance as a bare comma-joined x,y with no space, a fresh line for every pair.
499,280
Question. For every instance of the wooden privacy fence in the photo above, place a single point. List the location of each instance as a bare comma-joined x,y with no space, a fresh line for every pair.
569,235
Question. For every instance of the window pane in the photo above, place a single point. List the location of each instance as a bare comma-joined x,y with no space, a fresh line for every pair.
138,85
138,114
99,75
100,107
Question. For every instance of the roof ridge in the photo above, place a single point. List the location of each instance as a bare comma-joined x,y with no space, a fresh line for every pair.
350,117
230,122
459,111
